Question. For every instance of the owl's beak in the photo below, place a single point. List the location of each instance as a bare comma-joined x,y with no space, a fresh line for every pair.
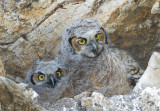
95,49
51,81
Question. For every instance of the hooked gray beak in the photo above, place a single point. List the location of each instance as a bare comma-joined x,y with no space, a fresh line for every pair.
51,81
95,49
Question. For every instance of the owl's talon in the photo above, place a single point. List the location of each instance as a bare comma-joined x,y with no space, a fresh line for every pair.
134,74
134,70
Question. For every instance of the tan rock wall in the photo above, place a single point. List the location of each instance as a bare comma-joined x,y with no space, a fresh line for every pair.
2,71
16,97
135,29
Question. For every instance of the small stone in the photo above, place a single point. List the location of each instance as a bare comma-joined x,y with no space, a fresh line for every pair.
99,98
2,71
156,8
151,76
65,104
16,97
22,17
140,26
83,94
19,79
87,101
12,77
148,23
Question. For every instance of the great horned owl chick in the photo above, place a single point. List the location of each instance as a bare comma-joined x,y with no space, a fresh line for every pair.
45,73
92,61
49,80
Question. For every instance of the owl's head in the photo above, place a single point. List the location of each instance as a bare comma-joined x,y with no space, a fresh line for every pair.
87,37
45,73
51,79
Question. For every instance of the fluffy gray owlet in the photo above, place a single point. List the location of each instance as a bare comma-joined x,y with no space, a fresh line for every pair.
94,65
49,80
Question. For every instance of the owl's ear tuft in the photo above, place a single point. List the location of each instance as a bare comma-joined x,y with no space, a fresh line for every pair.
108,40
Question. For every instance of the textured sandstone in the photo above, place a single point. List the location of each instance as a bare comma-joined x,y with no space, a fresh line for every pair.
151,76
133,28
2,71
95,99
16,97
147,100
156,8
82,95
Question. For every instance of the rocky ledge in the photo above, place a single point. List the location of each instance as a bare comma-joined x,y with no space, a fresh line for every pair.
19,97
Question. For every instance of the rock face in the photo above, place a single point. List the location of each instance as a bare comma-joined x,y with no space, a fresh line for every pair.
134,28
32,29
2,71
147,100
16,97
156,8
151,76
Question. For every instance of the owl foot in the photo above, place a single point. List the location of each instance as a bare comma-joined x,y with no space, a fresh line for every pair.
134,74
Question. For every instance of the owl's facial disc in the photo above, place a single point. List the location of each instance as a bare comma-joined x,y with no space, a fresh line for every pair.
48,79
91,45
40,79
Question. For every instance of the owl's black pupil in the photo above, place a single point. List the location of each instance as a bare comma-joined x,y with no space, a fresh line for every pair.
96,36
41,76
81,40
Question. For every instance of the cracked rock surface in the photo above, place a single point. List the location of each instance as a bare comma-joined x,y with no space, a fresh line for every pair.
2,71
16,97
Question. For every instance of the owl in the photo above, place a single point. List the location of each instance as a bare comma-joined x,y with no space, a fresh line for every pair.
94,63
45,73
49,80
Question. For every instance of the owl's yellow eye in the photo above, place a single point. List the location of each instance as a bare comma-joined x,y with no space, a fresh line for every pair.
97,36
58,74
41,77
82,41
